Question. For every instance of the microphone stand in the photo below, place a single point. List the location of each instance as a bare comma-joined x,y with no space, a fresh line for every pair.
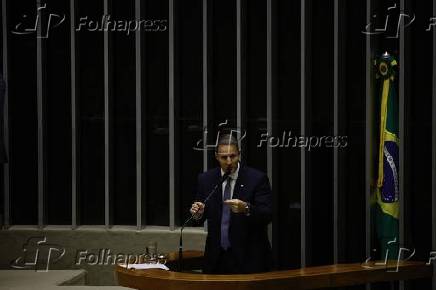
192,216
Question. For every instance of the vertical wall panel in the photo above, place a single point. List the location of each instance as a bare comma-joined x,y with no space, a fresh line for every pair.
5,129
336,132
189,65
402,58
223,72
205,83
303,158
269,112
108,124
433,228
256,85
123,121
57,125
349,134
156,145
269,84
404,118
240,52
319,127
91,113
286,61
140,211
23,153
352,150
171,114
74,118
256,91
205,79
41,113
419,146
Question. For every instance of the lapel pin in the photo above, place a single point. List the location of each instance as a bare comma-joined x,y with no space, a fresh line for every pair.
242,185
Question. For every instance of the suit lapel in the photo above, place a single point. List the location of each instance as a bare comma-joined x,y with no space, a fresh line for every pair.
219,192
238,191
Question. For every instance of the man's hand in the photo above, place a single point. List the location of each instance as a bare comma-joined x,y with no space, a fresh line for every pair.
237,205
197,209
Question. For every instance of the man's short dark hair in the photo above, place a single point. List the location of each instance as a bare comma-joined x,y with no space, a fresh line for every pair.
227,139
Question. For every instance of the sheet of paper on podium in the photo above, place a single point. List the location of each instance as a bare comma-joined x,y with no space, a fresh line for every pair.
145,266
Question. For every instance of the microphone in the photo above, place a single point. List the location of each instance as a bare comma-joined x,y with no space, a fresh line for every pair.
226,174
223,178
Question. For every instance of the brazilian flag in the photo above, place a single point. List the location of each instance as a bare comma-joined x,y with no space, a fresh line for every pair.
387,207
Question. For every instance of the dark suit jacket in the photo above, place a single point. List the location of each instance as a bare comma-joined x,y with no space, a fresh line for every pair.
248,234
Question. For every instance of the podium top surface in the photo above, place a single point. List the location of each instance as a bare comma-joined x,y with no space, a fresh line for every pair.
337,275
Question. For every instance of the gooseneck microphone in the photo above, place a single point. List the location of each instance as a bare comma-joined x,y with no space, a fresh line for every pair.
224,177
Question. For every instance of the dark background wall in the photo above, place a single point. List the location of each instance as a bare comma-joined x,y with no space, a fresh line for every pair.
414,47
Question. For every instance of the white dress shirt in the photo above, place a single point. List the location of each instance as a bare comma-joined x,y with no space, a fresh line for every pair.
233,177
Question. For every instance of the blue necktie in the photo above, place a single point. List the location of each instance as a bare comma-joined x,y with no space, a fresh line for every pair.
225,218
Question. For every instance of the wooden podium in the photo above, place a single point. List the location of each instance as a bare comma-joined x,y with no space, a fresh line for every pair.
305,278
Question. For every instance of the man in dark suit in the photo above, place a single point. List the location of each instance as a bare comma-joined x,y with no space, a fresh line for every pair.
237,214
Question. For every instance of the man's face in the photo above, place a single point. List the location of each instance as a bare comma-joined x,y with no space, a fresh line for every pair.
228,157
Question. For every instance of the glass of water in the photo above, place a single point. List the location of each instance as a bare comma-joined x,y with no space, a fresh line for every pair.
152,252
162,259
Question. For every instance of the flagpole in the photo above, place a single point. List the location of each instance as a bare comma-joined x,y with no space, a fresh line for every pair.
368,139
